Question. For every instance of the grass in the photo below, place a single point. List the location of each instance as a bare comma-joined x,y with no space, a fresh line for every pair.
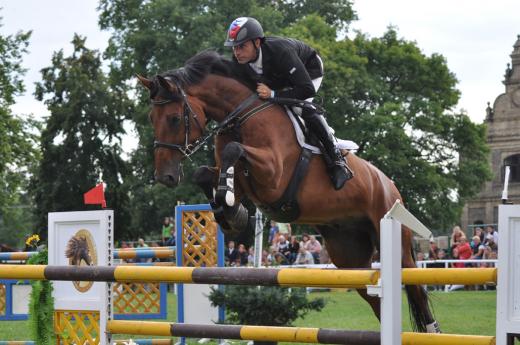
461,312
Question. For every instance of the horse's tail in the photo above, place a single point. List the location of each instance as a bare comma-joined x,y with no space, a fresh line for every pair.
419,305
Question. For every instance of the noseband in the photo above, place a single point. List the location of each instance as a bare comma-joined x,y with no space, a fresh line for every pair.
233,120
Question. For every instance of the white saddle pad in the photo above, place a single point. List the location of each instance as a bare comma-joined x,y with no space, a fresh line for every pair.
341,143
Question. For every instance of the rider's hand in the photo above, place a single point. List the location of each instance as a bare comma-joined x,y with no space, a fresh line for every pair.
263,90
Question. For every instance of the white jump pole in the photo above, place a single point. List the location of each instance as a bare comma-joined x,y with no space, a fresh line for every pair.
506,184
259,237
391,298
389,285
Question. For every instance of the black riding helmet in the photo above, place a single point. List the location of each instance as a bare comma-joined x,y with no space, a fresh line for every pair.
243,29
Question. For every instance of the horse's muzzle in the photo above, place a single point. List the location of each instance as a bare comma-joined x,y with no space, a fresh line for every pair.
169,178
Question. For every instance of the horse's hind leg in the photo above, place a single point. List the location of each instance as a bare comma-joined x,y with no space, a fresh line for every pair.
353,245
418,302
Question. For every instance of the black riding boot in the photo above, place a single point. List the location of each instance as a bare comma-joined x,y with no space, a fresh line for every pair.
336,164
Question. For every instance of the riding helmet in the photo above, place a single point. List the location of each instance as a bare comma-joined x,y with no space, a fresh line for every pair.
242,30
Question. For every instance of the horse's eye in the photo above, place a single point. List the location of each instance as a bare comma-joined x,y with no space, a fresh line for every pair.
174,121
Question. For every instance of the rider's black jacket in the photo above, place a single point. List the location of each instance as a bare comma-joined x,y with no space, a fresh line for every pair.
288,67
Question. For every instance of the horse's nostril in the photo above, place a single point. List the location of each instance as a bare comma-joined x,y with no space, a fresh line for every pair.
168,180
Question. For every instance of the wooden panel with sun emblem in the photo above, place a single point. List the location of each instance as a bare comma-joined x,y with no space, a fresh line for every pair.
82,309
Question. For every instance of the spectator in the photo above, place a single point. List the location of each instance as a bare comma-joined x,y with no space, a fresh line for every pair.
477,248
270,257
141,243
456,234
231,254
273,230
251,256
480,233
265,258
490,242
304,257
305,240
283,244
314,247
292,252
455,256
490,229
284,229
280,260
464,250
434,250
166,230
242,256
124,245
420,257
171,242
441,255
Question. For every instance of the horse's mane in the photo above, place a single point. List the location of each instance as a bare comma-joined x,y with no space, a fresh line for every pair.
204,63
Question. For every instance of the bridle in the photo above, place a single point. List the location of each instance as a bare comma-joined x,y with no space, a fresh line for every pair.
232,120
188,148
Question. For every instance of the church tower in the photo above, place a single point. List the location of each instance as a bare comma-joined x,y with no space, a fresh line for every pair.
503,138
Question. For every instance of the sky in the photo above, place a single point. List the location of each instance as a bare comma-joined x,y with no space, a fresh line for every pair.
475,36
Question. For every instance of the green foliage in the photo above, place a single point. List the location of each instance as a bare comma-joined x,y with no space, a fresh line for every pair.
266,305
17,142
41,305
81,141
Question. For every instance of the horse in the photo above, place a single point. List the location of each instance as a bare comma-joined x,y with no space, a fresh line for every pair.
257,155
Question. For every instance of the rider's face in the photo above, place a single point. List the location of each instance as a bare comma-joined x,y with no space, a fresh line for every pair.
246,51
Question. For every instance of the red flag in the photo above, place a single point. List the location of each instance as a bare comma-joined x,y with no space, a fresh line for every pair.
95,196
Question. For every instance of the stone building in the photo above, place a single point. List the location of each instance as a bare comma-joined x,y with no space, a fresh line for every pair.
503,138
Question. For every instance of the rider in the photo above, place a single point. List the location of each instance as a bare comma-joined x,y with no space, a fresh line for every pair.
288,68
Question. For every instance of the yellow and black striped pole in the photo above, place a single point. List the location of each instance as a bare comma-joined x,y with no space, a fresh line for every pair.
287,334
304,277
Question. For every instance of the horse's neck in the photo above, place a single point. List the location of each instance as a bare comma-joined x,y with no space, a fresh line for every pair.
221,96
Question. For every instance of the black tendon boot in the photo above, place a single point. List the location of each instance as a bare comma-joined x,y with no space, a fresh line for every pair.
336,164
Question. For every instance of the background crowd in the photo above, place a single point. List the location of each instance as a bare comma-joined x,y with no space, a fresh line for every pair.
285,248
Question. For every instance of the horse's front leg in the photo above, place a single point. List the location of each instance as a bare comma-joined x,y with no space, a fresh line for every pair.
206,177
232,219
231,153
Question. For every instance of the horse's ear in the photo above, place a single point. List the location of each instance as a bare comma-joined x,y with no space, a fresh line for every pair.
146,82
164,83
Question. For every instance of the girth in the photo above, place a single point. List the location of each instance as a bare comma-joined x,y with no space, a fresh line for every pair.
286,209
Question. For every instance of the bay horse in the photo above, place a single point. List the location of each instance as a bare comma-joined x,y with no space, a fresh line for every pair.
256,154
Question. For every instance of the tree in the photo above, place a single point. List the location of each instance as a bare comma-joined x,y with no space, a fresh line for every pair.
384,93
81,140
17,142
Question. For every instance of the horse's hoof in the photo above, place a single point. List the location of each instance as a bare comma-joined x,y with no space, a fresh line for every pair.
433,328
